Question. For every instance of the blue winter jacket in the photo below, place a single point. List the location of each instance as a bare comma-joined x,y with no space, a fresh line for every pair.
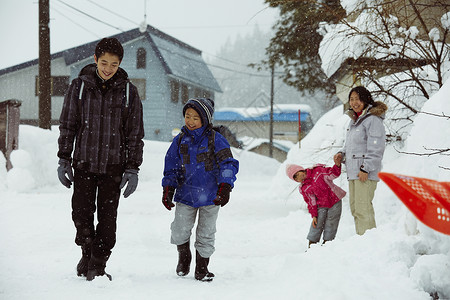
195,174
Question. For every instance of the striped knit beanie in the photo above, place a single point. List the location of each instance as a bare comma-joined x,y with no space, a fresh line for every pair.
204,107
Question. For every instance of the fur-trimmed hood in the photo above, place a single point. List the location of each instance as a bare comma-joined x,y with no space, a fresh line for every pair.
377,109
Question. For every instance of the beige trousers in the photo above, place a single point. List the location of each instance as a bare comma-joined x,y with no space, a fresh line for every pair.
361,196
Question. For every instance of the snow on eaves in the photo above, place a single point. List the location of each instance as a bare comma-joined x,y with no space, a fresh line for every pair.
353,40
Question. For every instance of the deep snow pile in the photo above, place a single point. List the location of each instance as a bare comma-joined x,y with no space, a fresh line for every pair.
261,238
428,258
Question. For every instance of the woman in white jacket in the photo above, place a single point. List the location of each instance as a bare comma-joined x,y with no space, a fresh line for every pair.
362,154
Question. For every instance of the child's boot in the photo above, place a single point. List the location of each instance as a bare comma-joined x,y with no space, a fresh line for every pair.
184,259
82,267
96,267
201,268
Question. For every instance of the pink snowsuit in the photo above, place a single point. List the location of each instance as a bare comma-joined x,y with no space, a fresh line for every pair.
318,188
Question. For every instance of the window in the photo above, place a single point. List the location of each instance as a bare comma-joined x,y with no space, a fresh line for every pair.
141,87
141,58
184,93
174,90
58,85
206,94
200,93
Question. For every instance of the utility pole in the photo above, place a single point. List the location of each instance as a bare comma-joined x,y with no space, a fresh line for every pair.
272,71
45,100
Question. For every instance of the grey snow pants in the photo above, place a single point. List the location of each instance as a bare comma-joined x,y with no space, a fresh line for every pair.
327,222
184,221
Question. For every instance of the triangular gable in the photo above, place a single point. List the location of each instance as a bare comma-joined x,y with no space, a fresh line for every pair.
178,59
182,60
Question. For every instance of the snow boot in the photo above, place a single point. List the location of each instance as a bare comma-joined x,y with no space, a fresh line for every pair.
82,267
311,243
201,268
96,267
184,259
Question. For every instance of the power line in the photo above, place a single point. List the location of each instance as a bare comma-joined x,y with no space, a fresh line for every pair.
76,23
181,27
131,21
186,57
214,66
236,71
209,27
258,13
88,15
225,59
112,12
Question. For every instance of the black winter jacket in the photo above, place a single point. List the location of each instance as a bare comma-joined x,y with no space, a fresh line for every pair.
107,134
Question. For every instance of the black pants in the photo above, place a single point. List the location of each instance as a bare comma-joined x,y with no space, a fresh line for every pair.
96,192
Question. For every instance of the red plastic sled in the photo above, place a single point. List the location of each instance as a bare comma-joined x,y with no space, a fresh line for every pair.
428,200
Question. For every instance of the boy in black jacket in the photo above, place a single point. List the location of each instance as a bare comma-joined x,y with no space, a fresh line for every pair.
102,115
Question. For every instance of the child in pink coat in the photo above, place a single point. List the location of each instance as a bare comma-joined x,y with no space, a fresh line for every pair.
322,196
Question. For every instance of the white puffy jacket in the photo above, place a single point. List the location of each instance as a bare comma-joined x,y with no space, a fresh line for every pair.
365,142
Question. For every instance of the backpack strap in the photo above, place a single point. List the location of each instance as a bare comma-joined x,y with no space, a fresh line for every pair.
126,104
81,90
183,149
209,157
127,94
80,102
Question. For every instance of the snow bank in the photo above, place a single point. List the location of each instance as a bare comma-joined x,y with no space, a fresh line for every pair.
426,137
429,257
261,239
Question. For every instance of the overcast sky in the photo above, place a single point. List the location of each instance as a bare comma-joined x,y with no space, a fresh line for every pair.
203,24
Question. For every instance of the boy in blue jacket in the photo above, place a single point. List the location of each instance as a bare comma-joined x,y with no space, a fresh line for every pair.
200,167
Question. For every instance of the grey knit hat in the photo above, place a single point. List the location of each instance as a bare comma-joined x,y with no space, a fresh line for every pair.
204,107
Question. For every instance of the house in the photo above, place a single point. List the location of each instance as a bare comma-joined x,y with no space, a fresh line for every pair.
166,71
349,73
255,121
280,148
424,15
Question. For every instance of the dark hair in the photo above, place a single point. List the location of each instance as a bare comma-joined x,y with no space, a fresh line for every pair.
110,45
364,95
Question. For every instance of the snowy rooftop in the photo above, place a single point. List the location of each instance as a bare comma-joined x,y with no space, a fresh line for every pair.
281,112
178,59
342,41
251,143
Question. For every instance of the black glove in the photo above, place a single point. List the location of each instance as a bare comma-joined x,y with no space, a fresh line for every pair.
130,176
168,196
223,194
65,169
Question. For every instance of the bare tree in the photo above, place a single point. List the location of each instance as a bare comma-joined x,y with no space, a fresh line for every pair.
402,53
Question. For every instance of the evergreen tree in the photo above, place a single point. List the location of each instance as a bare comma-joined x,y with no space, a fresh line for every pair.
295,45
244,86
